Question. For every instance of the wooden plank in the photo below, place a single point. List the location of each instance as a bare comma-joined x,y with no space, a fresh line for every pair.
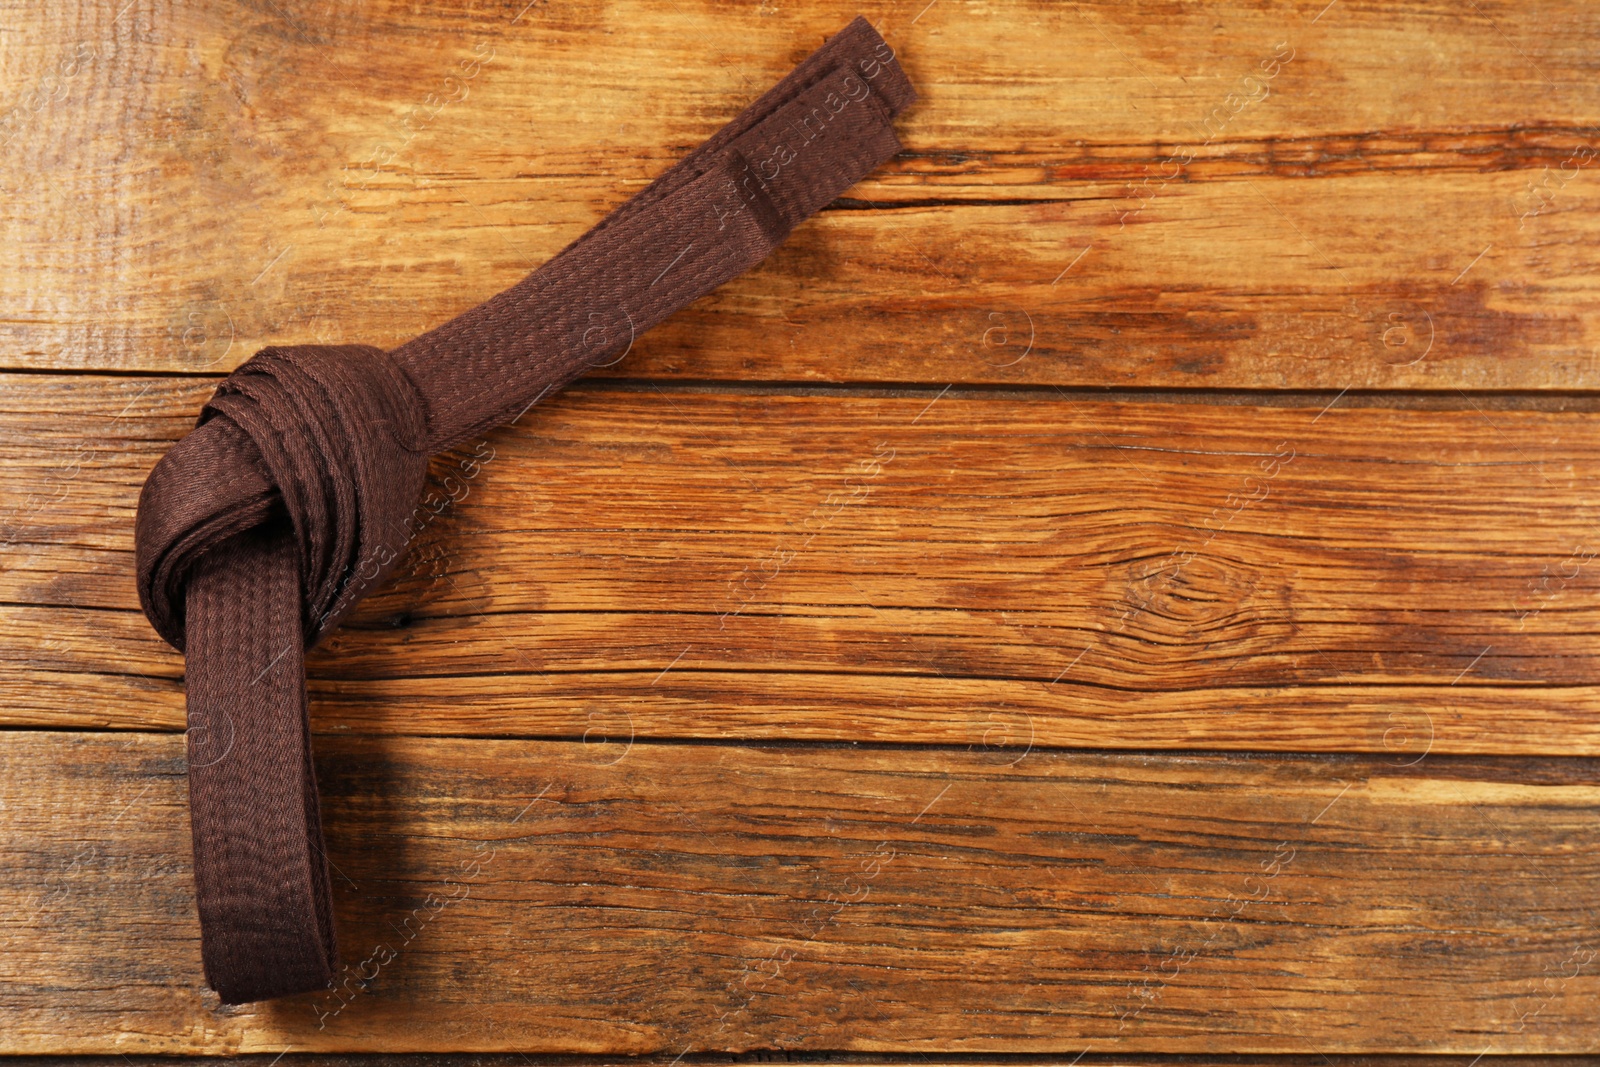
964,570
183,187
538,896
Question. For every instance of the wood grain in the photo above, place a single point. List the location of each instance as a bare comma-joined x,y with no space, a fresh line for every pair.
1118,587
1403,203
919,568
544,896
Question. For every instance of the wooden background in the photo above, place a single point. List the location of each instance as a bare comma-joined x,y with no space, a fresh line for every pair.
1121,582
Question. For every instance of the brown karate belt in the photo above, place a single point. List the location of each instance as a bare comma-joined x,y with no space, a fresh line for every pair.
294,495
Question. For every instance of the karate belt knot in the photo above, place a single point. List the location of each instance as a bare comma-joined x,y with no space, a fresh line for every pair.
330,439
292,497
